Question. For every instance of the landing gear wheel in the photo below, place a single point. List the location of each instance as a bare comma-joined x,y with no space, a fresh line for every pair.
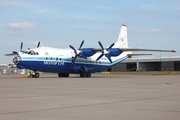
37,75
63,74
88,74
85,74
82,74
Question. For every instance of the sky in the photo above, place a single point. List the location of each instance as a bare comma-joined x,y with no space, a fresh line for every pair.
153,24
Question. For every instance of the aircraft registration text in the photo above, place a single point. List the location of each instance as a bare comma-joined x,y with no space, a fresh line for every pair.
53,63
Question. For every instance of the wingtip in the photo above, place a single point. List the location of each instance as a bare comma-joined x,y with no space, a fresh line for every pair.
173,51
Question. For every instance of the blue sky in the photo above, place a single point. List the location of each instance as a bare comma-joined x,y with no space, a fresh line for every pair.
58,23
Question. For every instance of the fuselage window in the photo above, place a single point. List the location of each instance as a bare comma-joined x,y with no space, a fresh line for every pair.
46,58
51,58
59,58
31,52
56,58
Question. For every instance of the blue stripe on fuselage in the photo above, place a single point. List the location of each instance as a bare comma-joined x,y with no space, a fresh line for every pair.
64,65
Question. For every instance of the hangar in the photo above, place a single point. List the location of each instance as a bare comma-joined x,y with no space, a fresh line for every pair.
159,63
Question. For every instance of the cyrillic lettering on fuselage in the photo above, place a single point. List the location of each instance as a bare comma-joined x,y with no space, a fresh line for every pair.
53,63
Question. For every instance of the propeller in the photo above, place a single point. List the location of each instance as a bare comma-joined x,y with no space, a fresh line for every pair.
38,44
105,52
21,50
21,47
78,51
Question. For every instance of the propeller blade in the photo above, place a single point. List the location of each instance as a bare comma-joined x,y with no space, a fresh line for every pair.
109,57
38,44
74,59
101,45
110,46
21,46
73,49
100,57
81,44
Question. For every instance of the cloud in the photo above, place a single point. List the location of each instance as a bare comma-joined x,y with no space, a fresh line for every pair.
36,43
102,7
14,3
148,6
153,31
21,26
82,17
157,31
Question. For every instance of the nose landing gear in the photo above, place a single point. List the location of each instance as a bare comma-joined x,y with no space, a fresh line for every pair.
33,74
36,75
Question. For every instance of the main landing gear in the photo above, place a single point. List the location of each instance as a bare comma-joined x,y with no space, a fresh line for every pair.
82,74
85,74
63,74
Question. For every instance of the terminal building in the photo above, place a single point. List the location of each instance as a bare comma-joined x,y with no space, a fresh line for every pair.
160,63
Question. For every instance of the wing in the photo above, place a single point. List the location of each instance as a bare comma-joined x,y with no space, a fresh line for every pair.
136,50
140,49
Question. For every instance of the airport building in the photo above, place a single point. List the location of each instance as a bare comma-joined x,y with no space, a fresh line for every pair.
11,69
159,63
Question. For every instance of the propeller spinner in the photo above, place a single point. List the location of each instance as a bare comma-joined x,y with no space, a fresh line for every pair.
105,52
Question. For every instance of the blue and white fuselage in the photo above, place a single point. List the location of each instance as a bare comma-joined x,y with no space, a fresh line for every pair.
60,61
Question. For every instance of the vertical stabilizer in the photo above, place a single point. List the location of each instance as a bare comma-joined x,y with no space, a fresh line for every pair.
122,41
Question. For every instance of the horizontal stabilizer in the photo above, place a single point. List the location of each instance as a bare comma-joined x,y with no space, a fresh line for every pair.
10,54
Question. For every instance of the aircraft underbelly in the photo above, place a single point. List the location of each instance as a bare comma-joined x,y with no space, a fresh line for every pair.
61,67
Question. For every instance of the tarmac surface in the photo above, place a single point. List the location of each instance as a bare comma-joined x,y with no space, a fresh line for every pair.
101,97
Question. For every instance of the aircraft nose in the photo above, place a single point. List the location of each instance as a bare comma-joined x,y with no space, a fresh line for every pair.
15,60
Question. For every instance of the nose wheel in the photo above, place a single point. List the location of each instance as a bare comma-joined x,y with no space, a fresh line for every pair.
34,75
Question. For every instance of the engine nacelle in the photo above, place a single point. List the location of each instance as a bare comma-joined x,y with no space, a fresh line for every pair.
87,52
114,52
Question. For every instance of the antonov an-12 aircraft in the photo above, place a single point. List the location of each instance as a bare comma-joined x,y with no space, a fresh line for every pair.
83,61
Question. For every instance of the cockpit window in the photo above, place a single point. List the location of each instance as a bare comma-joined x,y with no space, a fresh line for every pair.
31,52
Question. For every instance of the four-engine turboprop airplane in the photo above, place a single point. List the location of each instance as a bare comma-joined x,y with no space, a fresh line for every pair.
83,61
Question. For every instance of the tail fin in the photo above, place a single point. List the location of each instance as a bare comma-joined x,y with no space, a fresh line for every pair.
122,41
